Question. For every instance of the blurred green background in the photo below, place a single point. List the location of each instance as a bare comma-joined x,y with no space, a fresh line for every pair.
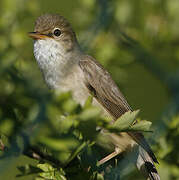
136,41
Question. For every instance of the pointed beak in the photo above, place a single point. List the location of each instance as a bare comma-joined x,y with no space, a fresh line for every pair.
37,35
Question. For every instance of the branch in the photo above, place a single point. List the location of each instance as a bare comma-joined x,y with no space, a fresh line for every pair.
35,153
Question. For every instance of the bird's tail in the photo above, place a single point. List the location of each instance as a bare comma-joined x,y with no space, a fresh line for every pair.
145,164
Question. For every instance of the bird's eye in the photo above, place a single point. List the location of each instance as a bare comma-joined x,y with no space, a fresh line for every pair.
57,32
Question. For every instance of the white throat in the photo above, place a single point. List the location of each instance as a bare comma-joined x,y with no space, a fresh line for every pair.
54,61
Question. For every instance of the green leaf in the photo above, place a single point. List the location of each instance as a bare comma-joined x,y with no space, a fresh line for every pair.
51,173
88,121
142,126
76,152
125,121
59,144
88,102
39,178
45,167
90,113
97,176
70,106
27,170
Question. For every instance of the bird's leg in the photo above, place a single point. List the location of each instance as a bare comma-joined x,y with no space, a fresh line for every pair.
110,156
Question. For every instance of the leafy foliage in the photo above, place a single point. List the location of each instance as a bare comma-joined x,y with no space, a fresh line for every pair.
66,139
54,129
169,149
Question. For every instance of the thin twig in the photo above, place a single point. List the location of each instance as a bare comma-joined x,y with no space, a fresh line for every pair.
35,153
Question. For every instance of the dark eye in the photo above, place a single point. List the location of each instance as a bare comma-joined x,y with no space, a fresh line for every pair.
57,32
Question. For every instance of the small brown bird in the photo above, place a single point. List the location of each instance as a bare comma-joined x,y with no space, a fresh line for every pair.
66,67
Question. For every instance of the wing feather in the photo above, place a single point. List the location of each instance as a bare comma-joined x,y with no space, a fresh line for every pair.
106,91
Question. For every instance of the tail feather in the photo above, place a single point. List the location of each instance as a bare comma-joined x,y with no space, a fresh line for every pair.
146,165
139,138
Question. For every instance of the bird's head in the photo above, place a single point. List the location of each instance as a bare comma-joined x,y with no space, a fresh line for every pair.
53,27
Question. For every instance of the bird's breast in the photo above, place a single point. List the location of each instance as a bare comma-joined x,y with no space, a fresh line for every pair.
51,60
60,71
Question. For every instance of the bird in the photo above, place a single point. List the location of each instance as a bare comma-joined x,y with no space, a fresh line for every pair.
65,67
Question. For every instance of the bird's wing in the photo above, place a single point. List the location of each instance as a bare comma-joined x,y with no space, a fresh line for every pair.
104,89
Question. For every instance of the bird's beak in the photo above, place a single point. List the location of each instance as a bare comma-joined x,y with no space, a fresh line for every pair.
37,35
